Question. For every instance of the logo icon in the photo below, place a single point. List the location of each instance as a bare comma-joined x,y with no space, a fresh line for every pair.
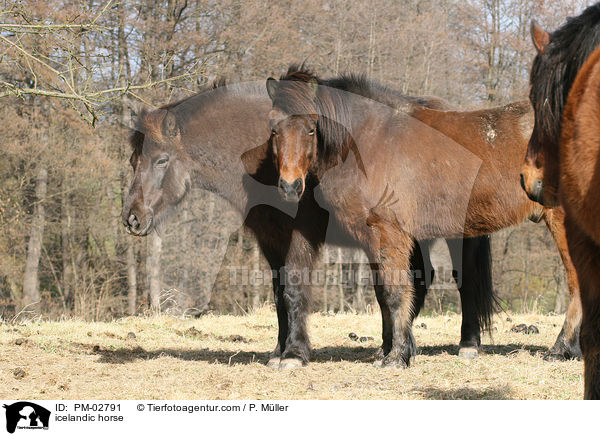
26,415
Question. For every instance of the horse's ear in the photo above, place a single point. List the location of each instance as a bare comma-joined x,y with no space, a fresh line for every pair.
169,126
313,86
272,87
539,36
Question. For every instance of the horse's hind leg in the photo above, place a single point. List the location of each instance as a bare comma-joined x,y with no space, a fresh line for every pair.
567,343
472,273
423,272
585,254
386,319
389,252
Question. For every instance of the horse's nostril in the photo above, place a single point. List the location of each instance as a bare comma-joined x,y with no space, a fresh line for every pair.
297,186
133,222
284,186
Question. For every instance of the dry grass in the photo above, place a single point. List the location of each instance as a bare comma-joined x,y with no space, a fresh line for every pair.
166,360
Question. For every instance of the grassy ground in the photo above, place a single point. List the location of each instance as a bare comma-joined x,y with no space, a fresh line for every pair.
223,357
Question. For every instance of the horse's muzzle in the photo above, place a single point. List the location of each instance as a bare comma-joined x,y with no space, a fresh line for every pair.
133,225
536,191
291,191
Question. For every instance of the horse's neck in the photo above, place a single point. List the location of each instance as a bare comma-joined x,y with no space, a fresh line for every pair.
230,147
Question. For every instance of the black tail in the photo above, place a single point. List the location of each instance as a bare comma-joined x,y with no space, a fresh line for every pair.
484,299
472,262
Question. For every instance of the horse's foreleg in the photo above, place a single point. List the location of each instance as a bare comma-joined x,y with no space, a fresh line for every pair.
278,290
567,343
296,301
272,231
423,274
585,254
466,276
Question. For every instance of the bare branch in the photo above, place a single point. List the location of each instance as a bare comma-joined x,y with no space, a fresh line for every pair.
39,28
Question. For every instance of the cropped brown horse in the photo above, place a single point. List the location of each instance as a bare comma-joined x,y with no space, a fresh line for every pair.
218,140
392,176
570,163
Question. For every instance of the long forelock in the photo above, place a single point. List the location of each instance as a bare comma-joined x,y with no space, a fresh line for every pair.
294,96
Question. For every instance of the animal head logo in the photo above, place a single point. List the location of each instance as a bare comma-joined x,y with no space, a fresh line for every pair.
24,414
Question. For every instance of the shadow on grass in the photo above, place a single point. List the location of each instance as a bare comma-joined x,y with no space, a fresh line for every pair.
326,354
502,350
498,393
323,354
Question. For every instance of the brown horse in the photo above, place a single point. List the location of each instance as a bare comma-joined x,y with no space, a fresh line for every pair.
570,167
560,56
456,171
218,140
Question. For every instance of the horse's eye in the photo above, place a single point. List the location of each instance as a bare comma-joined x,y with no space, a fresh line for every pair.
162,162
311,132
274,132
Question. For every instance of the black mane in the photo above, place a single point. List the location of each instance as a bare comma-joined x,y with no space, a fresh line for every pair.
554,71
331,104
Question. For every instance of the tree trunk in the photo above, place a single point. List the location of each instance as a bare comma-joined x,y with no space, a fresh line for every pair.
340,285
560,304
31,284
257,276
153,267
67,270
359,298
131,278
326,286
184,296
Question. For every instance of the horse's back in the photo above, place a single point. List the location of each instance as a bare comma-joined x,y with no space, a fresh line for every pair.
498,137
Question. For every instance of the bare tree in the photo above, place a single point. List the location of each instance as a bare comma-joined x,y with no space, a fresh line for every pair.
31,284
153,267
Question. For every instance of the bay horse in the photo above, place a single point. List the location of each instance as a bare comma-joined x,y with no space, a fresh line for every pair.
560,56
430,173
566,74
219,141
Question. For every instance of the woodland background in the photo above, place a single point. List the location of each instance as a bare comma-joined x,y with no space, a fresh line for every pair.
74,74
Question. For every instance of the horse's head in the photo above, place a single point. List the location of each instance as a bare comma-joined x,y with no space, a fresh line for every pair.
293,122
161,177
539,176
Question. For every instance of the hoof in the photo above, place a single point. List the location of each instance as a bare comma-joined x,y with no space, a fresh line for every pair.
395,360
468,353
274,362
521,328
379,354
554,357
560,356
290,363
393,363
